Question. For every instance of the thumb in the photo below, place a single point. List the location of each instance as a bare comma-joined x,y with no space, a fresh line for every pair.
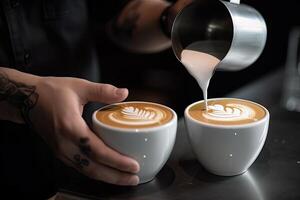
105,93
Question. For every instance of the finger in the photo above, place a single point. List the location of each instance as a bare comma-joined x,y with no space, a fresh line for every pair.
99,172
105,93
112,158
93,147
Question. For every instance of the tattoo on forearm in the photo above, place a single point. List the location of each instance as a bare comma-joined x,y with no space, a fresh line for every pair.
16,93
127,25
84,146
23,97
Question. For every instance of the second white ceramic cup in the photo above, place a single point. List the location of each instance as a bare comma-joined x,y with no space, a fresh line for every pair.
226,150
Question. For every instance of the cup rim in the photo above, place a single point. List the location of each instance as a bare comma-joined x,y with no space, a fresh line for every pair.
135,130
229,126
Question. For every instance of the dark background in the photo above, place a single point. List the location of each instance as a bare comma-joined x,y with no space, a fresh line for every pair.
161,78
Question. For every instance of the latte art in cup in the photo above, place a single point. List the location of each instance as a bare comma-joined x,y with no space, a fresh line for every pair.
134,115
227,112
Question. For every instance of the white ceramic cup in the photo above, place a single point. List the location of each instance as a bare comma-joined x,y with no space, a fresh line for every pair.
150,147
226,150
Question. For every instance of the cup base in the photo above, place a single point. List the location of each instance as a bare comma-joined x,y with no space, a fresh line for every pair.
220,173
146,180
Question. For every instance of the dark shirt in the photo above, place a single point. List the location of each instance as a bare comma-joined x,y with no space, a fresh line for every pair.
51,38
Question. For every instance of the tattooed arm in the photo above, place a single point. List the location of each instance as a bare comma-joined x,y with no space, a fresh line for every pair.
56,115
17,94
138,27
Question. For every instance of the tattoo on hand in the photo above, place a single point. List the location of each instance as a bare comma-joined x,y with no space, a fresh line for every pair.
79,162
84,146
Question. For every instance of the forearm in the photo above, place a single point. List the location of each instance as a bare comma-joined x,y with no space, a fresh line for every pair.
16,90
137,28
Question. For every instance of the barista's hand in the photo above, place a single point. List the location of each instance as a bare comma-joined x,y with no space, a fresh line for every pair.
171,12
179,5
57,117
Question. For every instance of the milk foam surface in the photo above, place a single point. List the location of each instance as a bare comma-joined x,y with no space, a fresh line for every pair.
134,115
227,111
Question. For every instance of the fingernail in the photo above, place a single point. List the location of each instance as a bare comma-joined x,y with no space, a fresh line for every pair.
121,91
134,180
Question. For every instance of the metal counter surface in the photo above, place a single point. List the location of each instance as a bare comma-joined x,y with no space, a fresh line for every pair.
274,175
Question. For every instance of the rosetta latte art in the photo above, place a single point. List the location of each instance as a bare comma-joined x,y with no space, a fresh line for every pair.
229,112
137,116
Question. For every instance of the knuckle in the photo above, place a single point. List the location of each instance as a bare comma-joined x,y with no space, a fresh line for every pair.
98,90
80,81
69,128
66,126
104,88
61,124
108,86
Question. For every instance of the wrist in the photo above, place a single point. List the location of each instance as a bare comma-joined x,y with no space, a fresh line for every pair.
21,77
17,95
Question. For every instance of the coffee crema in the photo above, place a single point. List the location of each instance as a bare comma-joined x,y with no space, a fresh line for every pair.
134,115
227,112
